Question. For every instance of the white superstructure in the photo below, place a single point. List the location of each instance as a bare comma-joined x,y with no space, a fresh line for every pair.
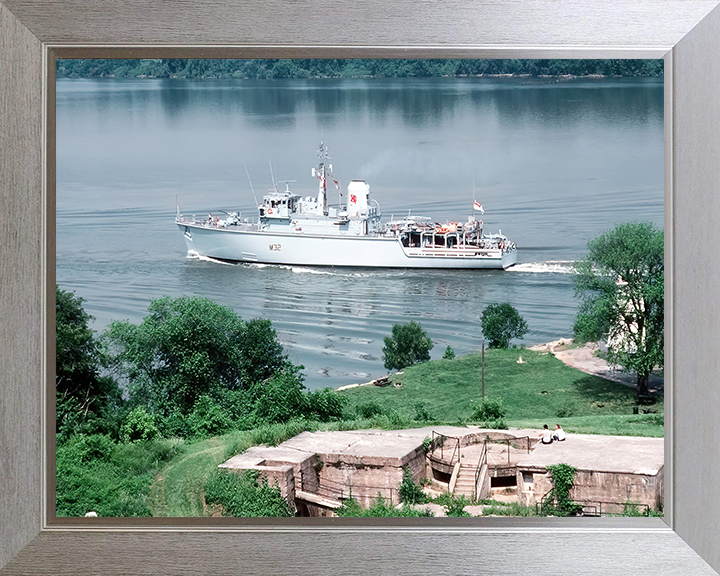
309,231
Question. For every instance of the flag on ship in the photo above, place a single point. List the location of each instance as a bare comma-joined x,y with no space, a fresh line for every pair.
478,206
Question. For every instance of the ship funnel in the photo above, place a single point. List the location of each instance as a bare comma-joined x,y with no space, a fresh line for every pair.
358,196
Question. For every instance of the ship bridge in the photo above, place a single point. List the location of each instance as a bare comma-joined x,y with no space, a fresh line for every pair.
279,205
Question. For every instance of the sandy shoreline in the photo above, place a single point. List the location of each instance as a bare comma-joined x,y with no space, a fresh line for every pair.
584,359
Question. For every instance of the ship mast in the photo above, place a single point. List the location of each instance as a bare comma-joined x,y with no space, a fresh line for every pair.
321,173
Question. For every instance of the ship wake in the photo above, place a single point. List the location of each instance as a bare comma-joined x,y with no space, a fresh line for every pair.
551,266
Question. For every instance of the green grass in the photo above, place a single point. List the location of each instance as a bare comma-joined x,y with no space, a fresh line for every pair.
179,486
533,393
542,390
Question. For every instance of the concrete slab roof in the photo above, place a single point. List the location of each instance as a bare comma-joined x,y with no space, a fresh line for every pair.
373,442
626,454
256,455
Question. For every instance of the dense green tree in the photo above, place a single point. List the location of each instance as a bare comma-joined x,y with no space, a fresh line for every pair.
269,68
284,397
208,418
82,395
188,347
261,355
409,344
501,323
620,284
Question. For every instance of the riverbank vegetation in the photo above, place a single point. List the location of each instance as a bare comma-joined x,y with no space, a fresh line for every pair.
145,413
621,284
348,68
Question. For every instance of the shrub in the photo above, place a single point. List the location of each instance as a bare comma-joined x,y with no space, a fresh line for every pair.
558,501
380,508
421,413
501,323
449,353
325,405
82,448
409,344
174,426
369,409
244,495
454,505
208,419
410,493
489,409
94,473
280,398
138,426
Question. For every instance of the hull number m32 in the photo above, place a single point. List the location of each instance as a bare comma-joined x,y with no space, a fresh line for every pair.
275,247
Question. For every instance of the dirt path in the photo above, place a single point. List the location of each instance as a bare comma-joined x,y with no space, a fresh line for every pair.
584,359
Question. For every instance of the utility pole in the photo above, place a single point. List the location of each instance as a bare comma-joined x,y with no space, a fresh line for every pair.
483,368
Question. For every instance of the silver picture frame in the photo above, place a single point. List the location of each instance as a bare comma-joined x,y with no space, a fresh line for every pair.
686,33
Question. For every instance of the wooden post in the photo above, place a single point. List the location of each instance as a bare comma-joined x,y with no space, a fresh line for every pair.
483,368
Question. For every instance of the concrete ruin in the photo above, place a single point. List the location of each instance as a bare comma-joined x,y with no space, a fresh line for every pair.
612,471
317,471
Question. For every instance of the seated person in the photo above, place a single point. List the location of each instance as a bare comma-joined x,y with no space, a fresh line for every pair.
559,433
546,436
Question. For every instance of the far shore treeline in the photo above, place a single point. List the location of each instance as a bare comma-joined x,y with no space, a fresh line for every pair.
348,68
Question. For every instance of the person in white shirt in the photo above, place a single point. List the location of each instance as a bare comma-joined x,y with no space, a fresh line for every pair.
559,433
546,435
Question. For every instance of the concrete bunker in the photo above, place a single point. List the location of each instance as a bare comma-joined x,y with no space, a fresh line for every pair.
317,471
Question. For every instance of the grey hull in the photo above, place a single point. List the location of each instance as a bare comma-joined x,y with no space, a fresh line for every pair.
321,250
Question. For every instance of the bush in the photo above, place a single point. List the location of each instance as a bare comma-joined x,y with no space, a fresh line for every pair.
325,405
558,501
454,505
208,419
280,398
489,409
449,353
138,426
409,344
94,473
244,495
410,493
421,413
380,508
83,449
369,409
174,426
501,323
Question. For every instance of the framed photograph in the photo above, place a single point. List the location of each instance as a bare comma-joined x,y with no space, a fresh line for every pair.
34,542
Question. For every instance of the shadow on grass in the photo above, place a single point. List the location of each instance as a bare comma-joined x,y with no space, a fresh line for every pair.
605,391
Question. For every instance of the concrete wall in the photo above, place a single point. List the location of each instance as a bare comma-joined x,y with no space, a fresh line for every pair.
592,486
305,472
365,477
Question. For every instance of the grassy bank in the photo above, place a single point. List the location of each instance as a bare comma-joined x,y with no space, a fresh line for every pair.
541,390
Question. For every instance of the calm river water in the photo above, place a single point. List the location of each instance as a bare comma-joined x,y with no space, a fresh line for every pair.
553,163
